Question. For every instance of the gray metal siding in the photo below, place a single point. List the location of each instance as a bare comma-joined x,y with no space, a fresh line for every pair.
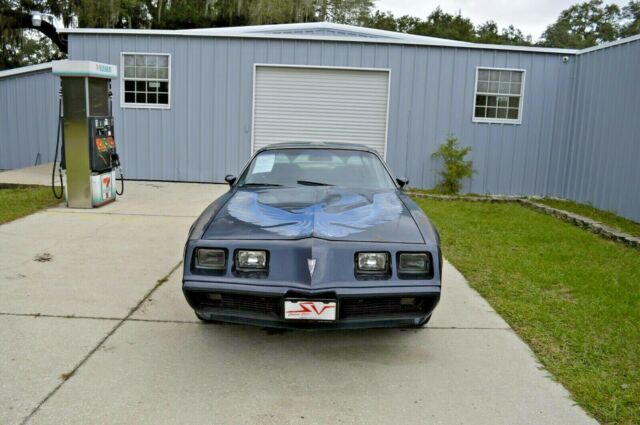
207,132
605,133
28,118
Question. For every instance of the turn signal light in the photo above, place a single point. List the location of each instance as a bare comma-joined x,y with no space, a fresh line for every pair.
413,262
213,259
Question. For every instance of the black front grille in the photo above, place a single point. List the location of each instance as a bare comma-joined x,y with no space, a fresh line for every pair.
352,307
349,307
230,302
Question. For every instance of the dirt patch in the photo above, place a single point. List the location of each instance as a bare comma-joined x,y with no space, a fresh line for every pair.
45,257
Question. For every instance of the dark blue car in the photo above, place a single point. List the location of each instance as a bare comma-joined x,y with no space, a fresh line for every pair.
314,236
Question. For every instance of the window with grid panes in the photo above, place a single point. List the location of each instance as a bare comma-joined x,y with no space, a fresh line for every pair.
498,95
145,79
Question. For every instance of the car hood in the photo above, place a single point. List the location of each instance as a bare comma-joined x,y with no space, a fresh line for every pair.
325,212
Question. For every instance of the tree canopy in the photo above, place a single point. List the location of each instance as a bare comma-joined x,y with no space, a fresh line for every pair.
584,25
581,25
445,25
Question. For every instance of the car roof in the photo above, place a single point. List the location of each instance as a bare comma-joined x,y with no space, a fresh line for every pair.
319,145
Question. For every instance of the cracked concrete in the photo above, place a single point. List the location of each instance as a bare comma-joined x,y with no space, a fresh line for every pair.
65,376
96,335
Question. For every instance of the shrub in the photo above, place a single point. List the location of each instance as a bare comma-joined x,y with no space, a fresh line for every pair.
455,167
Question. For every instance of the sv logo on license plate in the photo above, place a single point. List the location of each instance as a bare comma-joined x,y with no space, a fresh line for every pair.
310,310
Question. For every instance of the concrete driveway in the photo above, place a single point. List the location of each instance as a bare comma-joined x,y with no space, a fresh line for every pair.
94,329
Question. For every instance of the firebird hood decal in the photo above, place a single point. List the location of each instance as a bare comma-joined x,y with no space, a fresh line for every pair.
324,212
338,217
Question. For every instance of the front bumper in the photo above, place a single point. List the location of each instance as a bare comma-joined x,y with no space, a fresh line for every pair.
357,307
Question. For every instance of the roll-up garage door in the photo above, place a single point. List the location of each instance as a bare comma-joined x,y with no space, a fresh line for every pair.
293,104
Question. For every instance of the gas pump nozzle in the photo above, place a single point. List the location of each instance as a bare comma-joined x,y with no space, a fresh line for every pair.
115,160
115,163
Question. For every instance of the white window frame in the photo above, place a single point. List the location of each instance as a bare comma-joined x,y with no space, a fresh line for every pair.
122,79
498,120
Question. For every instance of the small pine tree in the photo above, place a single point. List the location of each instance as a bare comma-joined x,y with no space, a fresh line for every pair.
455,167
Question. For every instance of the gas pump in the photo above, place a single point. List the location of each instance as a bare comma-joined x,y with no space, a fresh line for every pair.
88,156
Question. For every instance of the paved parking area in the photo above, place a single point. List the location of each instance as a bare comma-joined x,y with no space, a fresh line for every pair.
100,333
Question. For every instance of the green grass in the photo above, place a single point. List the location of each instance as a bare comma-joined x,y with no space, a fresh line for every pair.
605,217
573,296
18,201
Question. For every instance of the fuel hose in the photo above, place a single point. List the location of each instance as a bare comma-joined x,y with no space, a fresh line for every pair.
55,157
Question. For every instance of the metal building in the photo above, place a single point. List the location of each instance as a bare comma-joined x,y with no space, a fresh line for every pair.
192,105
28,115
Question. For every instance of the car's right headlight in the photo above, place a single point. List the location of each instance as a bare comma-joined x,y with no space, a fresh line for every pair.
211,259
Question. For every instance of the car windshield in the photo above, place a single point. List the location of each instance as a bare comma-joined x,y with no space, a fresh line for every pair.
317,167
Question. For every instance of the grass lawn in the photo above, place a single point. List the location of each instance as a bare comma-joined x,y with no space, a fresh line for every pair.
604,217
572,295
18,201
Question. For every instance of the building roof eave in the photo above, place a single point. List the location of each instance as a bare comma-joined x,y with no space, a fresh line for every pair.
25,69
412,40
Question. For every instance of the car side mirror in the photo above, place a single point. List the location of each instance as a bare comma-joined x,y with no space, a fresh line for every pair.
402,182
230,178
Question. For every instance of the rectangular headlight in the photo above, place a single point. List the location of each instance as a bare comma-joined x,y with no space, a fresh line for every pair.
251,260
414,263
372,262
210,258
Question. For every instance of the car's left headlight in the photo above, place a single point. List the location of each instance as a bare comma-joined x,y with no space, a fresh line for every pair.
250,260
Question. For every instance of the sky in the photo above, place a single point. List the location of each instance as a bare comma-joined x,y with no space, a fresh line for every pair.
530,16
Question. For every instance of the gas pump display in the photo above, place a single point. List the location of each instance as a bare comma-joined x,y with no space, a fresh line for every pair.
103,144
104,159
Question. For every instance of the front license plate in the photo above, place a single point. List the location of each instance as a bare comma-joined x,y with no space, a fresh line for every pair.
310,310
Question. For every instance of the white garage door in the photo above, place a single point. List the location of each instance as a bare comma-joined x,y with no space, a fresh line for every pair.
320,105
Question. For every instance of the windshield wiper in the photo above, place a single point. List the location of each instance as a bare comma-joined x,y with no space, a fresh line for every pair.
261,184
308,183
